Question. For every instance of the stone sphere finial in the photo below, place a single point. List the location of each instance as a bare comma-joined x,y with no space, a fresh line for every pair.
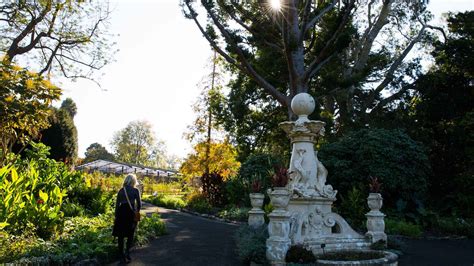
303,104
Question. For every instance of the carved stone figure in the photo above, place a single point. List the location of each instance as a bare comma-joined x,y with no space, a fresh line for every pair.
309,219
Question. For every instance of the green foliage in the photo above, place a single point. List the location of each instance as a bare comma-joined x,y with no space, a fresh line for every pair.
137,144
453,226
93,200
234,213
400,227
353,208
198,202
443,118
26,198
95,151
83,238
61,136
25,98
150,228
237,191
251,245
256,167
166,201
299,254
399,162
69,106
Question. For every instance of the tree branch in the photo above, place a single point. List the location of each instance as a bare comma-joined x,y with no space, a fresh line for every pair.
243,63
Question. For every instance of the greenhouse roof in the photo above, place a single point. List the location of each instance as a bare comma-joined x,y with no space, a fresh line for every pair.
124,168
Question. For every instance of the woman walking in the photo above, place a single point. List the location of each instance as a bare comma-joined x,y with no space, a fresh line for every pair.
128,203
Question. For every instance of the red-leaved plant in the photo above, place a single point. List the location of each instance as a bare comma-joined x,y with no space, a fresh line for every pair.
280,177
256,186
374,185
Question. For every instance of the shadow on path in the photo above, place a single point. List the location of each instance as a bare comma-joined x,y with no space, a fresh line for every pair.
191,240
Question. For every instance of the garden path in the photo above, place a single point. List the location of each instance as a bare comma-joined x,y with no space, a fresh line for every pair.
195,241
191,240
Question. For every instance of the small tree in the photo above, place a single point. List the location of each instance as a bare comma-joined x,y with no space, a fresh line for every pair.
96,151
222,161
25,100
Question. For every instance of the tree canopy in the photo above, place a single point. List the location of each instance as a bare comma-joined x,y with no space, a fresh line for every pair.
442,116
295,49
222,160
96,151
66,37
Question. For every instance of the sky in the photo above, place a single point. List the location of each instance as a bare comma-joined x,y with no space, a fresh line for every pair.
162,57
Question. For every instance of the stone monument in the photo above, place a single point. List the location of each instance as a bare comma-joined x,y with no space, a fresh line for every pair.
311,220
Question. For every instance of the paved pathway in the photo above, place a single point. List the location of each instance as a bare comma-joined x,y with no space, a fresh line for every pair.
420,252
191,240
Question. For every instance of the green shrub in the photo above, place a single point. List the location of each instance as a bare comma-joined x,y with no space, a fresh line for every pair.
166,201
353,207
26,197
149,228
251,244
455,226
299,254
399,163
400,227
198,202
92,200
235,190
234,213
257,166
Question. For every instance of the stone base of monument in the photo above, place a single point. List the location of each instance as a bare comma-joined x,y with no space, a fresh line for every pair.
386,258
314,225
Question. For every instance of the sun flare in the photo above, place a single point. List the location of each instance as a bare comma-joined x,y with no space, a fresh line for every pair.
275,4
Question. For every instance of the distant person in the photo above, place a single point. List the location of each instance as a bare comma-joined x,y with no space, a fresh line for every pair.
128,202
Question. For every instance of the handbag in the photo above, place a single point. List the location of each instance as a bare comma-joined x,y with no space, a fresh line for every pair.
136,214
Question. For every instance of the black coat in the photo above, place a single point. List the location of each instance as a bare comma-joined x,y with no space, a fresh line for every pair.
124,224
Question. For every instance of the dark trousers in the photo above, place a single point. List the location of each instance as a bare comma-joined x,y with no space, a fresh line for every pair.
129,243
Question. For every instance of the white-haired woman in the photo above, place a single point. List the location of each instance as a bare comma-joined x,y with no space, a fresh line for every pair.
128,201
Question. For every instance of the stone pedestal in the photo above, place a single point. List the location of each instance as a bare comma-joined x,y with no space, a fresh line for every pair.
256,218
375,219
256,214
278,242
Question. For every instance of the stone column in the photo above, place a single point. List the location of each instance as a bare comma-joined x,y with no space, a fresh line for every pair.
375,219
256,214
278,242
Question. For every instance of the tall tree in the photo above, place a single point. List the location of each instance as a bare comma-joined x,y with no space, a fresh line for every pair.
134,143
137,144
306,36
206,127
61,135
96,151
65,36
442,116
69,106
